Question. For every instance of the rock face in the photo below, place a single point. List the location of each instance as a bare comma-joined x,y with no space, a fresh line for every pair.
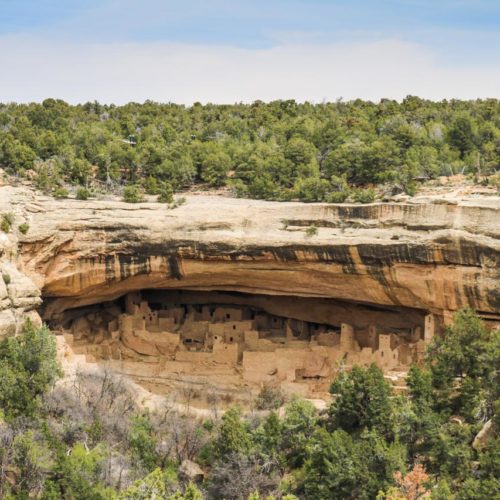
431,254
19,296
345,283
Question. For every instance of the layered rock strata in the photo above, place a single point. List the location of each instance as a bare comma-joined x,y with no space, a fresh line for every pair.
385,266
431,254
19,296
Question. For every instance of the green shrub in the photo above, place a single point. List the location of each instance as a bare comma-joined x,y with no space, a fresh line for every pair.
7,220
166,193
338,196
362,400
32,458
311,231
24,227
133,194
371,461
157,484
60,193
47,176
233,434
494,180
151,185
142,442
82,193
28,369
311,189
77,474
364,195
411,189
214,168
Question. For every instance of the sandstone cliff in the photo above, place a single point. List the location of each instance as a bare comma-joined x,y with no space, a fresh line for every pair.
19,296
430,254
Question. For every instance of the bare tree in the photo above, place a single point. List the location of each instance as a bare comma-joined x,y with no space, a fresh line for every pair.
237,476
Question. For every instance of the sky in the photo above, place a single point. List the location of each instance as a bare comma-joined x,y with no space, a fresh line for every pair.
226,51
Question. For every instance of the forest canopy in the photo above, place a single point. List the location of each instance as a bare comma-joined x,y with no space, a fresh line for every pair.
279,150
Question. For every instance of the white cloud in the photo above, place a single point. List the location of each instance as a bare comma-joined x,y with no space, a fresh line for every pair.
32,69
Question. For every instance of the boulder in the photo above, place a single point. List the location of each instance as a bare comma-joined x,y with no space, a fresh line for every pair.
191,470
4,296
138,345
21,290
7,323
484,435
19,298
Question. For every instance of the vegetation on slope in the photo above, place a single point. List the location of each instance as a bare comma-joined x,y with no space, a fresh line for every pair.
279,150
92,441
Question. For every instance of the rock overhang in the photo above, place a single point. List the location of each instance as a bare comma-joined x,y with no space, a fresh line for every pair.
430,254
382,270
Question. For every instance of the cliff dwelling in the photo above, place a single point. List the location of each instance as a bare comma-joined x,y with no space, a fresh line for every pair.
223,342
222,297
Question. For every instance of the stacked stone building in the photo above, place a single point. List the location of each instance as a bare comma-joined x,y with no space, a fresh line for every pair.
251,347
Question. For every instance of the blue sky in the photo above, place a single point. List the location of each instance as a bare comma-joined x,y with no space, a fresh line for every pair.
448,39
254,23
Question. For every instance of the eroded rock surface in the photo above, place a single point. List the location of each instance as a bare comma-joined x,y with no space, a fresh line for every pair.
384,268
430,254
19,296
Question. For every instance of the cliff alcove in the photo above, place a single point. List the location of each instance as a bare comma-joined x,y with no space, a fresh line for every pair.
371,283
220,342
